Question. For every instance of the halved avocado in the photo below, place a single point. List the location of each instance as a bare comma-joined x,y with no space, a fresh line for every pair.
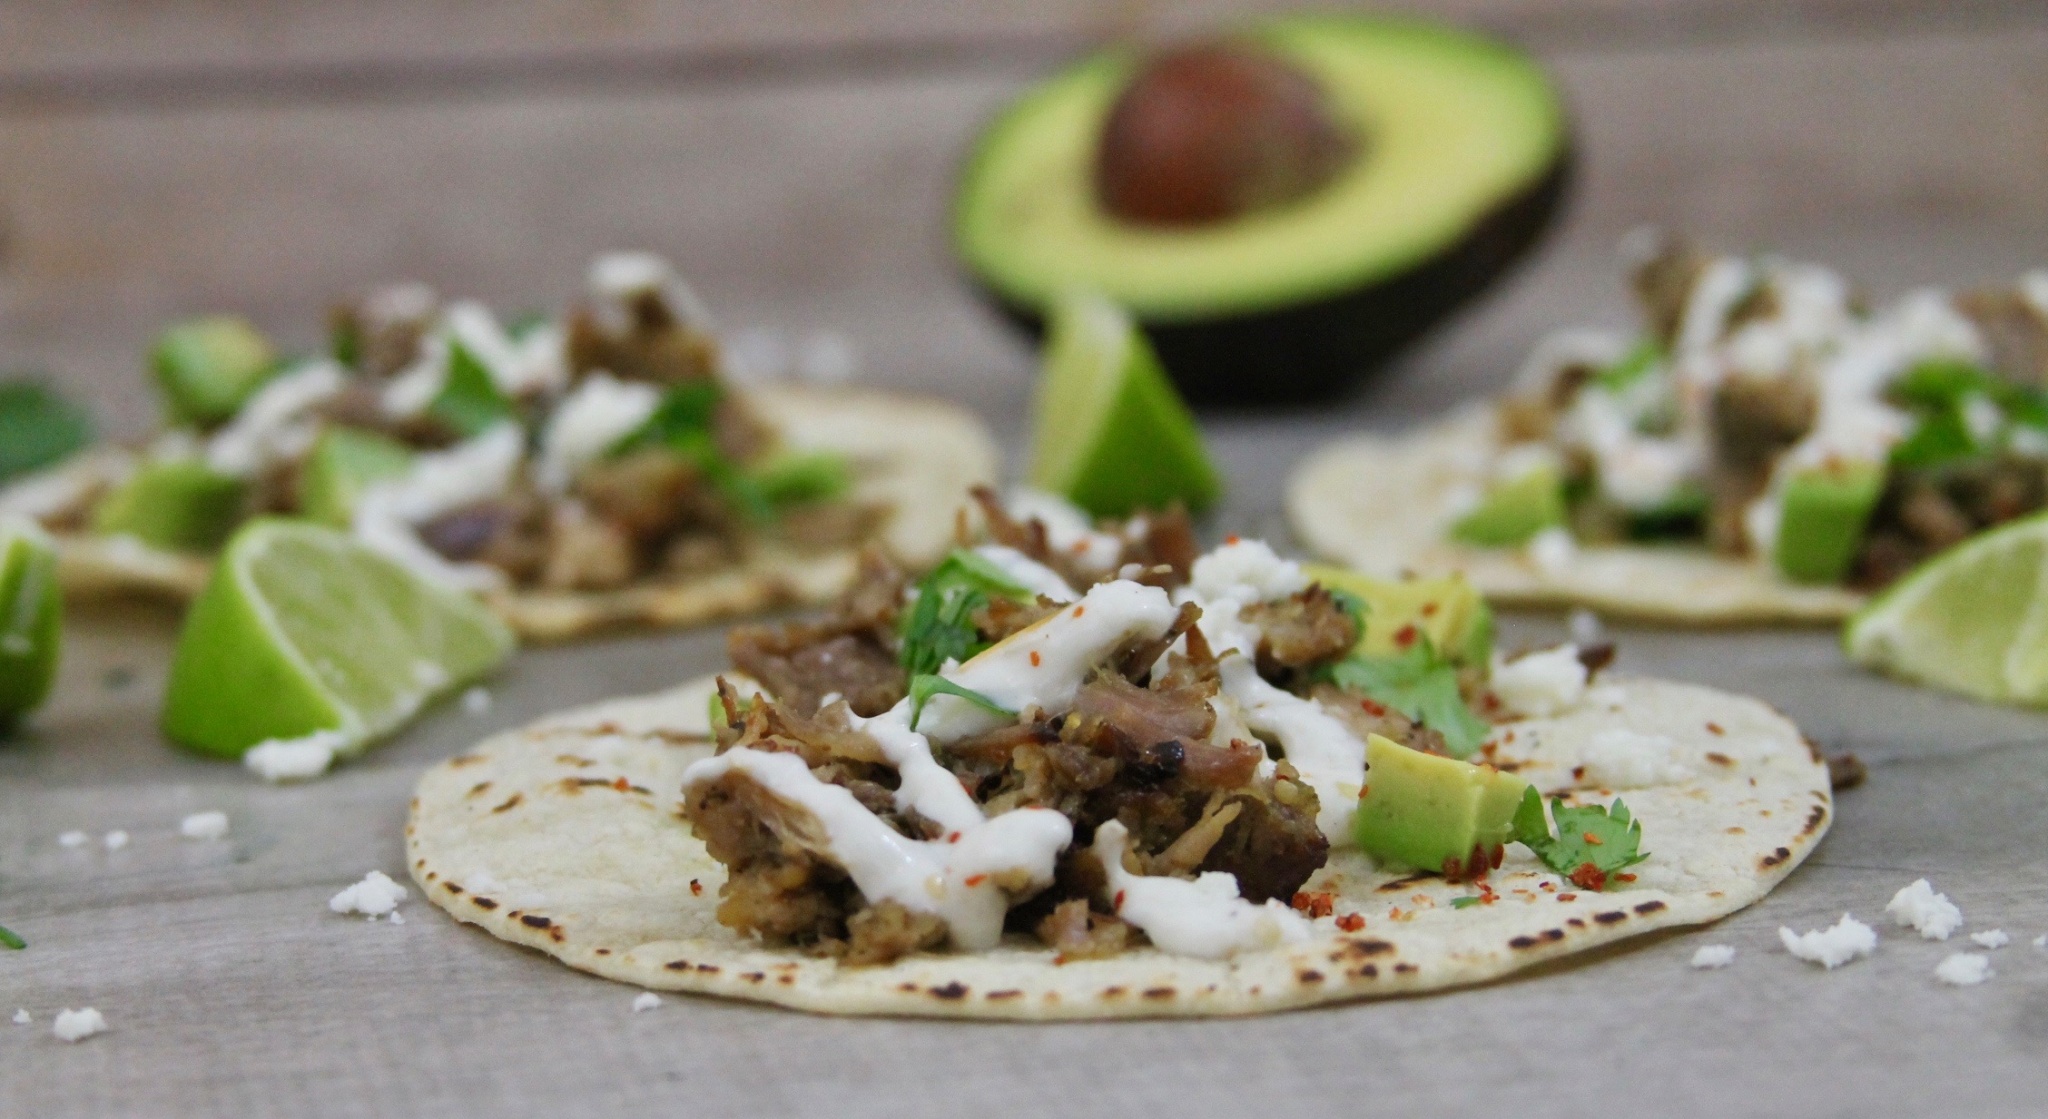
1456,159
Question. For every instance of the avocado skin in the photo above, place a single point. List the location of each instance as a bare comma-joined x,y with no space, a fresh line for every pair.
1315,351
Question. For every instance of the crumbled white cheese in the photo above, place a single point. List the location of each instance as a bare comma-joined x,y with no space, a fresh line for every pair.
616,278
1711,956
1248,571
1564,349
1543,683
1552,550
22,1018
1918,907
115,840
646,1000
589,422
77,1025
374,896
1028,573
73,839
1067,529
397,918
476,701
1619,758
1990,938
294,759
1848,939
2041,942
1964,969
1585,627
204,825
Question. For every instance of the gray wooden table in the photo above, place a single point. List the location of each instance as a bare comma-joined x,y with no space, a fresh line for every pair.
149,168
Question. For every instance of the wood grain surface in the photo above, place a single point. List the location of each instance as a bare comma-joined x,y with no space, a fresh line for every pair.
795,159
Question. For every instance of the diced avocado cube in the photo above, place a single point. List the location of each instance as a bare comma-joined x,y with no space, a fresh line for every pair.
182,505
1821,520
1514,510
1447,611
1434,813
208,367
343,463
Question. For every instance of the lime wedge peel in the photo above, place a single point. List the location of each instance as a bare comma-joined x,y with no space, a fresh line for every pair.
1109,433
1973,619
307,646
31,617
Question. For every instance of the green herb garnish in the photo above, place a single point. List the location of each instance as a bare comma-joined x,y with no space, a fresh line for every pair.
37,428
1421,684
1631,368
939,626
1939,392
1592,842
923,688
801,479
9,940
470,401
1466,902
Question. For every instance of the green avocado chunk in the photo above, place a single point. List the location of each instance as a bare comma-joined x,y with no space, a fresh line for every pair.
1514,510
1821,521
343,463
182,506
1454,158
209,367
1434,813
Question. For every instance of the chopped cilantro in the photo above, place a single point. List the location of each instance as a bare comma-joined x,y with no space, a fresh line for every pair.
684,416
1422,685
1466,902
1938,392
799,479
685,422
716,708
1631,368
923,688
1592,843
1353,606
470,401
939,626
9,940
37,428
524,324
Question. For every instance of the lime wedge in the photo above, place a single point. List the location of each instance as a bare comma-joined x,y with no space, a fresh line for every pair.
31,617
1109,432
304,634
1973,619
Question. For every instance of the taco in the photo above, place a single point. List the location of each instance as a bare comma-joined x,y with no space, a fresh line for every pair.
1767,449
1151,784
580,473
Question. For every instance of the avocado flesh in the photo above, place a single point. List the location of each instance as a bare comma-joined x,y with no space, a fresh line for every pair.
1514,511
343,463
1821,521
209,367
1446,611
1433,813
1464,157
181,506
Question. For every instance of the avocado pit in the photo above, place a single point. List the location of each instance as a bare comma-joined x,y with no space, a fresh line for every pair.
1213,131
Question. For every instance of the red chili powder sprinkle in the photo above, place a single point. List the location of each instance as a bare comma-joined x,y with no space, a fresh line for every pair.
1351,922
1567,897
1034,658
1715,729
1429,609
1405,636
1372,708
1118,901
696,888
974,880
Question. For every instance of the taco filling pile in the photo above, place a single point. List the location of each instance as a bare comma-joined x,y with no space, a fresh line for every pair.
573,469
1077,745
1765,418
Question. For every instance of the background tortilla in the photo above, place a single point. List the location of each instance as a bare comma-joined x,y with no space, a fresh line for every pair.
915,456
564,836
1383,505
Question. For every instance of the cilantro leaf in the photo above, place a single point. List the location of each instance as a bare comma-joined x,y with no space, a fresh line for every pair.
799,479
939,626
923,688
37,428
470,401
9,940
1939,392
1466,902
684,416
1593,841
1422,685
1632,366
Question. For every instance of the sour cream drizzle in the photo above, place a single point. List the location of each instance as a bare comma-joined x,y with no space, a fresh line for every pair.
1329,758
1205,917
388,514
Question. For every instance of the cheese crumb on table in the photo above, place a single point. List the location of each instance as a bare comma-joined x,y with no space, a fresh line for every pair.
1990,938
77,1025
22,1018
116,840
1918,907
374,896
1713,956
204,825
73,839
1964,969
647,1000
1847,940
476,701
294,759
2041,942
